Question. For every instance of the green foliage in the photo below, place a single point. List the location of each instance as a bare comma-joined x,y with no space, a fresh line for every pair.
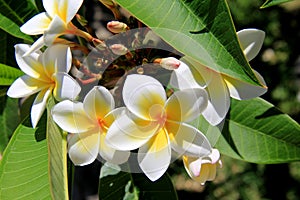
255,131
9,119
116,184
201,29
270,3
12,28
57,150
12,15
8,74
17,12
35,165
24,167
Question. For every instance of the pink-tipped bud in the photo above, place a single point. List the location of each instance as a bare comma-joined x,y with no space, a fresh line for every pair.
118,49
169,63
117,27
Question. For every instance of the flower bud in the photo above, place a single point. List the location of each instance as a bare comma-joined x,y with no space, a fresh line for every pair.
117,27
204,168
169,63
118,49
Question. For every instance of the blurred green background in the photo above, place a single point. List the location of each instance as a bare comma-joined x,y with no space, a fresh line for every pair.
279,63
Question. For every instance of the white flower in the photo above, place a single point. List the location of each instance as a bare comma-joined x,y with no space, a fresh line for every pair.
45,73
204,168
155,124
88,122
52,23
192,74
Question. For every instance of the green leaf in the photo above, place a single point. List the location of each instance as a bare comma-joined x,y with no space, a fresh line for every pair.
24,167
3,91
7,54
3,44
57,145
18,10
9,119
12,28
9,74
255,131
270,3
116,184
13,13
200,29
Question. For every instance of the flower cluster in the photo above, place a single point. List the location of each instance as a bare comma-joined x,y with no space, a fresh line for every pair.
131,108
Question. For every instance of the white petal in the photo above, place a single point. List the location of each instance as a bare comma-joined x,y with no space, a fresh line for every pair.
29,64
56,28
188,140
66,87
36,25
214,156
36,46
39,106
111,155
154,157
57,58
51,7
141,93
192,165
219,102
242,90
202,74
186,105
182,78
69,8
98,102
125,134
251,41
25,86
71,117
114,114
83,147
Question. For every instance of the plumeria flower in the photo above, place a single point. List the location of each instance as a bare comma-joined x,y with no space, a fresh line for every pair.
45,73
192,74
155,124
54,22
204,168
88,123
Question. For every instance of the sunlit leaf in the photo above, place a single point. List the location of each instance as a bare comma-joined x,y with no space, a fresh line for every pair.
200,29
117,184
270,3
24,167
10,27
255,131
18,11
8,74
9,119
57,145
